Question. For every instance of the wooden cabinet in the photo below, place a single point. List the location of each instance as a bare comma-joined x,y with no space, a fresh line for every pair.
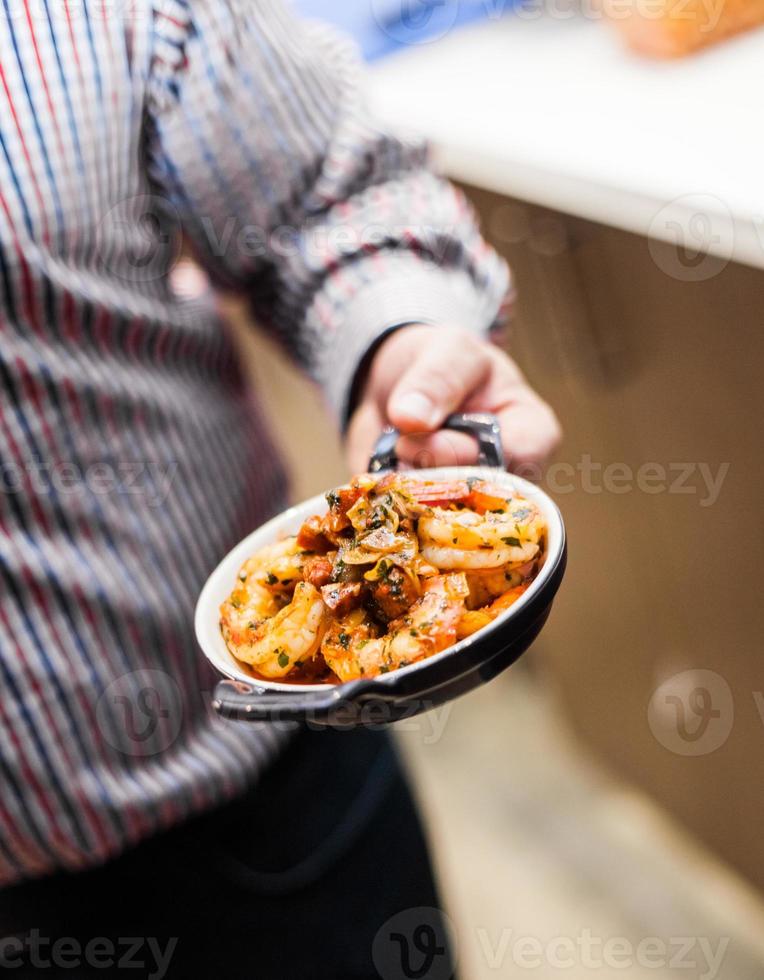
651,362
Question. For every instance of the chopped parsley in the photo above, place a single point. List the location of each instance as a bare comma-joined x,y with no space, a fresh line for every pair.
512,542
344,640
283,659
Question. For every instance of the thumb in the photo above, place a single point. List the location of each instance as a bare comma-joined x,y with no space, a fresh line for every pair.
441,377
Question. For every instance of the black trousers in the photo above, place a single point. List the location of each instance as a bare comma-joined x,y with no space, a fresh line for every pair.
319,873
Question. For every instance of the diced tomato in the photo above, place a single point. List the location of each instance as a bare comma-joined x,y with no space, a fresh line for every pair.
311,536
340,501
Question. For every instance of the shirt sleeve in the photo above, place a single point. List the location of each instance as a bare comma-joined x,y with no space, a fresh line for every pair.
259,136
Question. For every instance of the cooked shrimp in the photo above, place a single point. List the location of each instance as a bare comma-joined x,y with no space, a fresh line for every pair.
348,646
463,539
476,619
277,644
277,567
430,624
247,606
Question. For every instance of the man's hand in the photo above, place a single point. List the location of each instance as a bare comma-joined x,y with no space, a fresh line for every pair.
421,374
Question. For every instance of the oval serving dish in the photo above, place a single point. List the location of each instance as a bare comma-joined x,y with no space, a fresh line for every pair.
409,690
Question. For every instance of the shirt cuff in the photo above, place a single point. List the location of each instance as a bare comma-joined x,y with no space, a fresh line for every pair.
402,289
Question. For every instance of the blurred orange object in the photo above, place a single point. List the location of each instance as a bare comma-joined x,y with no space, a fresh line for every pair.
672,28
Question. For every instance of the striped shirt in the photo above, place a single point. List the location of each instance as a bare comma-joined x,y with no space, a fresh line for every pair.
133,455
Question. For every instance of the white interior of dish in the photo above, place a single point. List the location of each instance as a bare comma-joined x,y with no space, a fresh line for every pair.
220,584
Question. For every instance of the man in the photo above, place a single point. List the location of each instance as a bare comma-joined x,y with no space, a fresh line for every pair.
134,458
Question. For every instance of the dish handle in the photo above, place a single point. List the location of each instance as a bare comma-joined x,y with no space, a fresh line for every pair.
238,701
482,425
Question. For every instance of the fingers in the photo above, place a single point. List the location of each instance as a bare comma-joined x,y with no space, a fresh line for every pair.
530,432
422,450
421,375
364,430
440,378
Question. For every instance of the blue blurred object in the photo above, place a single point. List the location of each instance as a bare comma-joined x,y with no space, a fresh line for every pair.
382,26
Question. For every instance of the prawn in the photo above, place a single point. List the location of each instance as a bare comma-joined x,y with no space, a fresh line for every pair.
464,539
272,637
277,567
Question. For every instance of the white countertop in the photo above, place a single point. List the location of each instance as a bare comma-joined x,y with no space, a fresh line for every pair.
557,113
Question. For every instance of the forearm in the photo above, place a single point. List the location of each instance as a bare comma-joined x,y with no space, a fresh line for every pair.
335,226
